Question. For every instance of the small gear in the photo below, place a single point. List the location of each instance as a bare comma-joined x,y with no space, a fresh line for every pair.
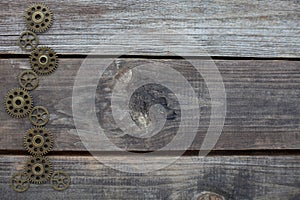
43,60
39,116
60,180
19,182
38,169
18,102
28,41
28,80
38,17
38,141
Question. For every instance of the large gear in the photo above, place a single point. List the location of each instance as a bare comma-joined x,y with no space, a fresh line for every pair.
28,41
19,182
38,17
38,141
43,60
18,102
38,169
39,116
60,180
28,80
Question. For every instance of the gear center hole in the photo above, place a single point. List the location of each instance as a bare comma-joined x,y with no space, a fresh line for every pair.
43,59
18,102
38,140
38,17
37,169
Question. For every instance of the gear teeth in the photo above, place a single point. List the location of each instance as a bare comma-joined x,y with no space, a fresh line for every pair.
36,26
40,68
45,134
14,107
31,171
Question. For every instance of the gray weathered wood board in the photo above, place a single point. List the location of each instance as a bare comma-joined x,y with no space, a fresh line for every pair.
222,28
234,177
263,100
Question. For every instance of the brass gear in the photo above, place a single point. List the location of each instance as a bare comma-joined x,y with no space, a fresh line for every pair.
43,60
19,182
28,41
38,141
18,102
39,116
38,17
38,169
60,180
28,80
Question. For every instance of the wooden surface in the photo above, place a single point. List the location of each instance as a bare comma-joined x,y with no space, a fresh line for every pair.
262,105
256,47
234,177
236,28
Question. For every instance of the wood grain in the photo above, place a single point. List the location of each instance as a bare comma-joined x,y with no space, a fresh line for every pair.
235,178
262,105
237,28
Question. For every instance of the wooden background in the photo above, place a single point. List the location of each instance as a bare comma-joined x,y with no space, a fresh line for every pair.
254,44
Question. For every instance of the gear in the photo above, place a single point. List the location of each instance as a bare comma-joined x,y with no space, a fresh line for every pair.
38,169
19,182
60,180
39,116
18,102
43,60
28,80
38,141
38,17
28,41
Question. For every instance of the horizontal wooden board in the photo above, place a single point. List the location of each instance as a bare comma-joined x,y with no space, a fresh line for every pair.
221,28
235,178
262,105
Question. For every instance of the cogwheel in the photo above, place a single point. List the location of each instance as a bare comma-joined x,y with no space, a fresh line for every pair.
28,80
60,180
39,116
38,141
43,60
18,102
38,169
28,41
38,17
19,182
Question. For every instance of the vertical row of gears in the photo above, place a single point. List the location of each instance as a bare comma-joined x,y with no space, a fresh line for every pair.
18,102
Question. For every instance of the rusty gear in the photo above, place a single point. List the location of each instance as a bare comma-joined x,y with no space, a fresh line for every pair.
28,80
38,141
38,17
60,180
19,182
43,60
18,102
38,169
28,41
39,116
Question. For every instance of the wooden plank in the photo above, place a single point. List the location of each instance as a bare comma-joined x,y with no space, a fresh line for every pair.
262,105
252,177
236,28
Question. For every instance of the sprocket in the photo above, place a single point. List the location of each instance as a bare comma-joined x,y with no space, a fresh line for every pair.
38,141
38,17
43,60
38,169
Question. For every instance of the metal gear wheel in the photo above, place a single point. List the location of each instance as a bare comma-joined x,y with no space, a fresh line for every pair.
43,60
19,182
38,141
18,102
39,116
38,169
28,41
60,180
28,80
38,17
